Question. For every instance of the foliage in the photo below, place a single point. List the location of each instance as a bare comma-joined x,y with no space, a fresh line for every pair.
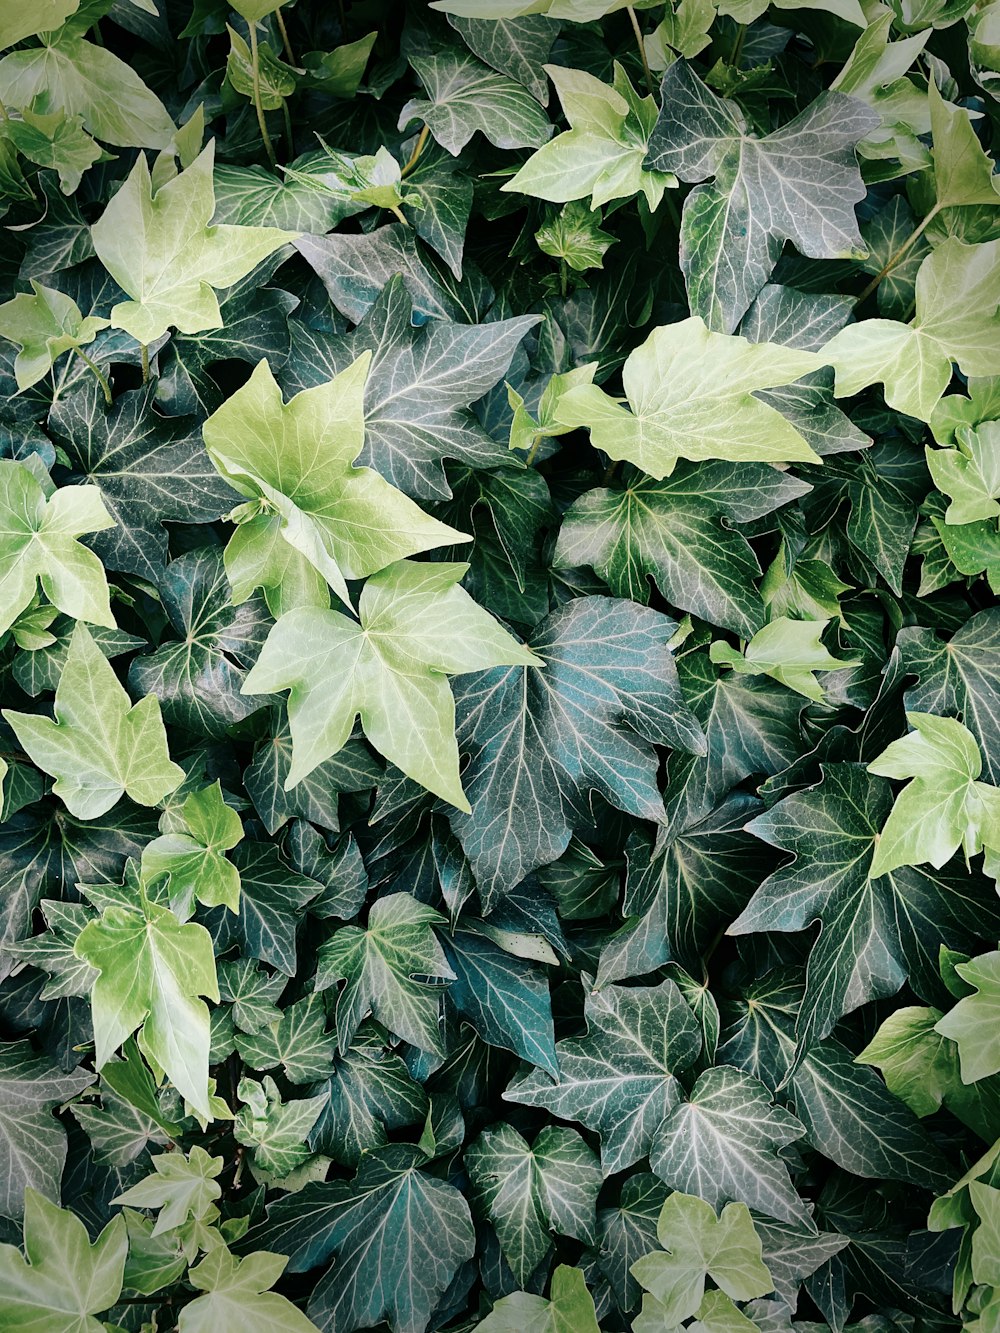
499,658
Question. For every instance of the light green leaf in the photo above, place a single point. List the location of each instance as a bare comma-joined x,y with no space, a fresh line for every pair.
533,1191
18,22
101,746
963,173
152,971
525,429
723,1144
297,1041
464,96
944,807
569,1309
274,79
80,78
601,157
237,1297
970,474
57,141
789,651
160,248
62,1280
619,1080
700,1245
574,236
38,543
799,184
974,1023
393,969
191,851
181,1187
296,467
275,1130
691,394
416,628
957,294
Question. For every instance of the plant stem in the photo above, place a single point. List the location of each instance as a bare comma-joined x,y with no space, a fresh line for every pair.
737,51
418,148
563,278
102,379
634,20
898,255
398,215
258,105
289,136
144,352
532,454
284,35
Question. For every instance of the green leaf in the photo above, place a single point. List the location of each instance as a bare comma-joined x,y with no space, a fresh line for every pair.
687,388
57,141
969,475
514,46
46,16
420,384
416,627
393,969
972,1022
238,1296
788,650
957,293
620,1080
345,521
297,1040
191,852
699,1245
531,1191
44,326
32,1140
101,746
159,247
273,898
944,807
799,184
464,96
540,742
574,237
723,1144
275,79
626,1232
180,1188
601,157
82,79
62,1280
39,545
569,1309
152,971
275,1130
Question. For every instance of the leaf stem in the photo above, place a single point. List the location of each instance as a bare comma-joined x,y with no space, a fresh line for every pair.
398,215
418,148
284,35
144,354
634,20
737,51
258,105
536,444
898,255
609,473
102,379
563,278
289,136
4,113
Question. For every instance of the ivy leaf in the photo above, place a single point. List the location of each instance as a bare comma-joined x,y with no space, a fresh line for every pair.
969,475
699,1245
150,470
39,545
57,141
32,1140
722,1144
620,1080
627,1231
180,1188
82,79
514,46
101,746
971,1024
790,651
399,1237
799,184
569,1309
46,16
419,387
238,1296
875,932
416,627
297,1040
152,971
274,1129
192,853
297,463
601,157
44,326
686,387
943,807
540,744
531,1191
574,237
464,96
273,898
671,532
160,249
393,969
62,1280
957,294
